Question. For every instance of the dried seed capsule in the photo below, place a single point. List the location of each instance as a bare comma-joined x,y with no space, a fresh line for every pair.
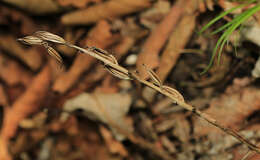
31,40
156,80
104,54
117,73
52,52
174,93
49,37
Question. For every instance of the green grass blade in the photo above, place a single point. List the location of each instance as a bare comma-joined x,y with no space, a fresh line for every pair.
224,37
222,15
230,23
231,29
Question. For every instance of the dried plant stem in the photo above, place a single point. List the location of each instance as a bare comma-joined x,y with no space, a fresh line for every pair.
188,107
132,75
197,112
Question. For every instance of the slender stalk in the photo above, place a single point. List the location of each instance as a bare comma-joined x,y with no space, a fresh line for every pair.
188,107
114,66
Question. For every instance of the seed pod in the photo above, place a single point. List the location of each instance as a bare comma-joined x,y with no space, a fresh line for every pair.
156,80
117,73
31,40
113,59
49,37
104,54
174,93
52,52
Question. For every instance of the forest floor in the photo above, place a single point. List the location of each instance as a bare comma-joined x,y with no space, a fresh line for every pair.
67,106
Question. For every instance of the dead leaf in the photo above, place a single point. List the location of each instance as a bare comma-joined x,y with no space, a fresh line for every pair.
29,56
77,3
177,41
12,73
154,43
106,108
230,109
12,16
38,7
113,145
3,97
25,105
107,10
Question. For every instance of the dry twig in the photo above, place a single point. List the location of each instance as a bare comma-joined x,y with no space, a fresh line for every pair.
123,73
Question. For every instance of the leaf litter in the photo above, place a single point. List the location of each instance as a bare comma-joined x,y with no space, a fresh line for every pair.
83,106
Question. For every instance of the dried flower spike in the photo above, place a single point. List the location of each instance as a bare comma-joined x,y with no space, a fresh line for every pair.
117,73
104,54
174,93
47,36
52,52
31,40
156,80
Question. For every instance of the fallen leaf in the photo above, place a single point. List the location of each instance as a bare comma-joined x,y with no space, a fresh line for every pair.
38,7
12,73
29,56
77,3
149,54
25,105
230,109
107,10
107,108
177,41
113,145
3,97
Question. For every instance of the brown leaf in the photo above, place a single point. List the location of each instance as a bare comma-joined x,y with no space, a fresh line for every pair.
178,39
77,3
230,109
29,56
108,108
28,103
37,7
154,43
106,10
113,145
12,73
3,97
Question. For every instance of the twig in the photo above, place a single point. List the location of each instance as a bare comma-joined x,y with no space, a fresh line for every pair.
123,73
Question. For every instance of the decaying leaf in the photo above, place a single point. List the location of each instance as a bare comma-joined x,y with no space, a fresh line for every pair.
106,10
107,108
30,56
114,146
37,7
77,3
231,109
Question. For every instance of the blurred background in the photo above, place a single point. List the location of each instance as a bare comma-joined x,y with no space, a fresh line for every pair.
79,111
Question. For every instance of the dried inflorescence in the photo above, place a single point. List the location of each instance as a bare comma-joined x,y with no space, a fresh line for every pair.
41,38
111,64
